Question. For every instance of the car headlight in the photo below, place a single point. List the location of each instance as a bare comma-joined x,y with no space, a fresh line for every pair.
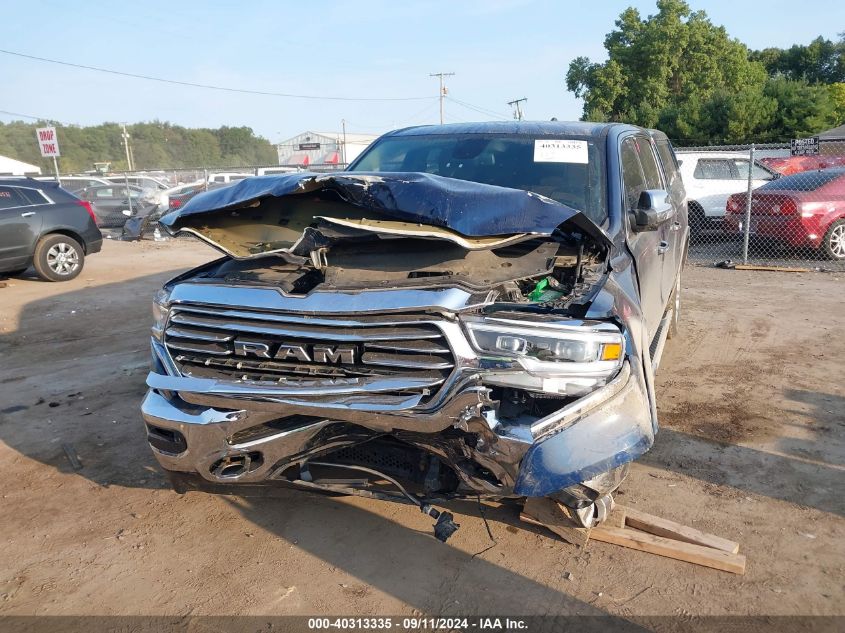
561,356
161,310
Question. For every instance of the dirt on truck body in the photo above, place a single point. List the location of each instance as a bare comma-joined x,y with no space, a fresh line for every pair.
424,336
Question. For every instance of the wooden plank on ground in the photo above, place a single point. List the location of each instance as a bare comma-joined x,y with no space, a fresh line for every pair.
777,269
697,554
548,514
669,529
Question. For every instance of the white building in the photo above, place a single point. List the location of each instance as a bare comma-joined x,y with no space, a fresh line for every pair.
12,167
323,148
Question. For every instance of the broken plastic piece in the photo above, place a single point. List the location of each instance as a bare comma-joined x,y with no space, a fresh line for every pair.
445,525
543,293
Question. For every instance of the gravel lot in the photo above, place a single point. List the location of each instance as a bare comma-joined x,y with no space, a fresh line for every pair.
751,401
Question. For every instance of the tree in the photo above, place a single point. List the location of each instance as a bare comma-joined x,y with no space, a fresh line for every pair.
677,71
820,62
155,145
837,96
668,61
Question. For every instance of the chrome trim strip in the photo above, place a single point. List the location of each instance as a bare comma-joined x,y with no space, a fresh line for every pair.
299,331
330,302
178,332
331,387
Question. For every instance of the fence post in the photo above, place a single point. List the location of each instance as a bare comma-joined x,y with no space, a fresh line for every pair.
747,225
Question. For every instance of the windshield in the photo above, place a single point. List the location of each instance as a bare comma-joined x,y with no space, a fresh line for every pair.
569,170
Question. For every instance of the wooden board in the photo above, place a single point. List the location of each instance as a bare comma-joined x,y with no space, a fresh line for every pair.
547,513
777,269
669,529
697,554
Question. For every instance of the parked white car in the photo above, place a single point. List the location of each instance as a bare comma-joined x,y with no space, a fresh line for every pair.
710,177
274,171
226,177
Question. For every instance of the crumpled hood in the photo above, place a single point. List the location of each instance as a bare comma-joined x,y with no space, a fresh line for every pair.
470,209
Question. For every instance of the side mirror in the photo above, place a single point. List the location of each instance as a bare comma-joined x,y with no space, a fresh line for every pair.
653,209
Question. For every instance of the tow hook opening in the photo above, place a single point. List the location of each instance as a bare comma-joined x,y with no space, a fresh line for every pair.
235,466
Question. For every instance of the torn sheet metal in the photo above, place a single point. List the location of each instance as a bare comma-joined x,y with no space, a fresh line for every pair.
268,214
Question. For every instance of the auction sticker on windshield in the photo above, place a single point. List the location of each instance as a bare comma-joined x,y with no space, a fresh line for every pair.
560,151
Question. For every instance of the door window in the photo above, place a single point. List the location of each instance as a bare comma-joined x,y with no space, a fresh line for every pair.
632,175
651,171
667,157
11,197
757,172
714,169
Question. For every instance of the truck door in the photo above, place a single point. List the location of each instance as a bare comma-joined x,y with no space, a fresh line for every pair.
647,247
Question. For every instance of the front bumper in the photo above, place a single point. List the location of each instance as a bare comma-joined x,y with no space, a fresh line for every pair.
198,426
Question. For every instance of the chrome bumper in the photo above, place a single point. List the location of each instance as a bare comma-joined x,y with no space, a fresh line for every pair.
592,435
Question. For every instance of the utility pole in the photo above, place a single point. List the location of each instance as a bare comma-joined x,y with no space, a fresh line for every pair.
343,154
517,113
443,90
126,147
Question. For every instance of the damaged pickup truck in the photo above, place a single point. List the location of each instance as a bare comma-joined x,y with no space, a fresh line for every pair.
467,311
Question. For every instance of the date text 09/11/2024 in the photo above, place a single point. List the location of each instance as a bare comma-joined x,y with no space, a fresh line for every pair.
418,623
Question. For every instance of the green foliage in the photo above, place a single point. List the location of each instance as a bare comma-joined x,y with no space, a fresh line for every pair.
154,145
677,71
820,62
837,96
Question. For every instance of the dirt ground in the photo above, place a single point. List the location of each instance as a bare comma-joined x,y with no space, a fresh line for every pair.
752,447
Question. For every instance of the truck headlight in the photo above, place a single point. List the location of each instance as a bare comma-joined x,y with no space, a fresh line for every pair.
556,356
161,310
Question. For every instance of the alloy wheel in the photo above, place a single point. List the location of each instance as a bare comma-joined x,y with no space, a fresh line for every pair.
62,258
837,241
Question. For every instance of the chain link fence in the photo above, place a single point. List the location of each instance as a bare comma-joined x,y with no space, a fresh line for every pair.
763,206
128,205
748,204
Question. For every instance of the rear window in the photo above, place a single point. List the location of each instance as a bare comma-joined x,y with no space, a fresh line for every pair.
713,169
804,181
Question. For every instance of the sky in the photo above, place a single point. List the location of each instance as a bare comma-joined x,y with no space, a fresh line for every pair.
499,50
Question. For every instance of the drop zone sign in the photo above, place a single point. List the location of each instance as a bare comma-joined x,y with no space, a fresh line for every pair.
48,141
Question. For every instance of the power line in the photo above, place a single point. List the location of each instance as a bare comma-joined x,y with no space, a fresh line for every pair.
479,109
209,86
31,116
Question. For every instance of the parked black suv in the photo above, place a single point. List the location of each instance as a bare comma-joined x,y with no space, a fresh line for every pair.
44,226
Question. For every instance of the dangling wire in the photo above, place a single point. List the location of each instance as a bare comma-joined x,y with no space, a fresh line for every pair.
486,525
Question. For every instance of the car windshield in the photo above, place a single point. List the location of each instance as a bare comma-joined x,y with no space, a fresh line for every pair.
804,181
568,170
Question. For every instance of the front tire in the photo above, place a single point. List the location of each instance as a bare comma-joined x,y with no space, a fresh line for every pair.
58,258
834,241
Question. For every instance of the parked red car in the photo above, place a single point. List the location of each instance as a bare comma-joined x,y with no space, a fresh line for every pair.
804,209
796,164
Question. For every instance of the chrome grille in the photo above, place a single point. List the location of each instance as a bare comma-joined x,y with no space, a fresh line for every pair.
209,343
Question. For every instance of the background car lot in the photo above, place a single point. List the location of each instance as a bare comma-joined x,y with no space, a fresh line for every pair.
752,448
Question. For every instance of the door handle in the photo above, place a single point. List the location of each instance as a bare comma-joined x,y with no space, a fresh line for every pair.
28,214
676,226
662,247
